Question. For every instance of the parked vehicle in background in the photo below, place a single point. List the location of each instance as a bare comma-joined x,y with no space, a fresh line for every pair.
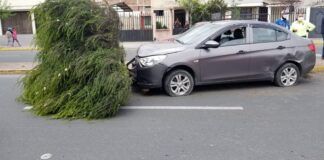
224,51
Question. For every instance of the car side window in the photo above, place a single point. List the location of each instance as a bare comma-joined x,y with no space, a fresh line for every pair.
264,35
235,36
281,35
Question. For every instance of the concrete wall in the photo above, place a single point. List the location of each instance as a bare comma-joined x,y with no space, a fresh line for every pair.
246,3
164,4
308,3
23,4
168,6
136,5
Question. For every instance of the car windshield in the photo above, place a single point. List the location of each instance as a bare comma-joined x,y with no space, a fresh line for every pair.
198,33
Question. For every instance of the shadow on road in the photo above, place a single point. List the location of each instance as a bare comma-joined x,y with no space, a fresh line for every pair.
239,86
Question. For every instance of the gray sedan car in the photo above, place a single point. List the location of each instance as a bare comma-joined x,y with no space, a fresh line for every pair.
222,52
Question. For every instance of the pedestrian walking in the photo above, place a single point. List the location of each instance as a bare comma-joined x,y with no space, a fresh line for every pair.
283,21
15,37
9,36
302,27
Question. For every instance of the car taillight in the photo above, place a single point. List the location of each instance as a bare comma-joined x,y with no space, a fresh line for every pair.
312,47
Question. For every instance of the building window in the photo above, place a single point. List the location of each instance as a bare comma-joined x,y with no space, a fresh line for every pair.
246,13
159,12
147,20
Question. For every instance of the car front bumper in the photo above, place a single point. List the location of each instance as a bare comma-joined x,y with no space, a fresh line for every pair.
146,77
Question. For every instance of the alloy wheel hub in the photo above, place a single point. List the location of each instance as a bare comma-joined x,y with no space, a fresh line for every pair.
180,84
289,76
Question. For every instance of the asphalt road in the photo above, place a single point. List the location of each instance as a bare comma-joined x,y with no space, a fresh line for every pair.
276,123
17,56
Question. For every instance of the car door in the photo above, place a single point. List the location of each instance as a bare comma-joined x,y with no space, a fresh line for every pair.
269,46
229,61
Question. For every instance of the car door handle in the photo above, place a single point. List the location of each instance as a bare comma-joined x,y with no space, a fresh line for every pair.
281,47
241,52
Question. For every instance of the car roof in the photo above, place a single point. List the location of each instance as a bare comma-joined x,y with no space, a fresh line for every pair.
229,22
233,22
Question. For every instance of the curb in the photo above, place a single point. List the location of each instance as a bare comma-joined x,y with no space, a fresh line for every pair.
4,72
318,42
18,49
318,69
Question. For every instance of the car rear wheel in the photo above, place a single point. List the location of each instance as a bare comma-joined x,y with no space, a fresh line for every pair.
287,75
178,83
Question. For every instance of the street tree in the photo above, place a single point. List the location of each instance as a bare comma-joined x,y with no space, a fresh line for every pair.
199,11
191,6
81,72
215,6
4,10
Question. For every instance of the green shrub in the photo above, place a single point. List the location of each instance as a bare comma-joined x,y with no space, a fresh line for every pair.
81,72
159,25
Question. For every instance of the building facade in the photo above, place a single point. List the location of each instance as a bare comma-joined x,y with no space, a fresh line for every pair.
22,18
159,15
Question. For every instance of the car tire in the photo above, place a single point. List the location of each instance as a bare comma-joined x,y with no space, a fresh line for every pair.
178,83
287,75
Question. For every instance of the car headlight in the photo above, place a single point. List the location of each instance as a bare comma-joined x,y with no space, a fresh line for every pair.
152,60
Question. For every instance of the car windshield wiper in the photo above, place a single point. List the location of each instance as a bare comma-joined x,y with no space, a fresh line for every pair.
179,41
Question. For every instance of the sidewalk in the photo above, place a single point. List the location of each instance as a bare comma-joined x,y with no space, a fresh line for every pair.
26,41
133,45
318,41
319,65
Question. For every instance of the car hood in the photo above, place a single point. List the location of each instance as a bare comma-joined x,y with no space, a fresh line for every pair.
159,48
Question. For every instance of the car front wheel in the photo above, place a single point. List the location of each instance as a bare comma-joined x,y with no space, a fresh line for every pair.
178,83
287,75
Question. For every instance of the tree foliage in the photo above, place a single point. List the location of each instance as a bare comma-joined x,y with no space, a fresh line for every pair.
199,11
214,6
193,7
81,72
236,12
4,10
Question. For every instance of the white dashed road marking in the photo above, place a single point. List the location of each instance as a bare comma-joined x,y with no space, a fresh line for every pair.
28,108
184,107
46,156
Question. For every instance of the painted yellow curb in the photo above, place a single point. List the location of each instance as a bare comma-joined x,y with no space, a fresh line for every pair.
318,69
318,42
17,49
13,71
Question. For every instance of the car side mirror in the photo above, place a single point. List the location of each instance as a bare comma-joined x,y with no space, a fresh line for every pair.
211,44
